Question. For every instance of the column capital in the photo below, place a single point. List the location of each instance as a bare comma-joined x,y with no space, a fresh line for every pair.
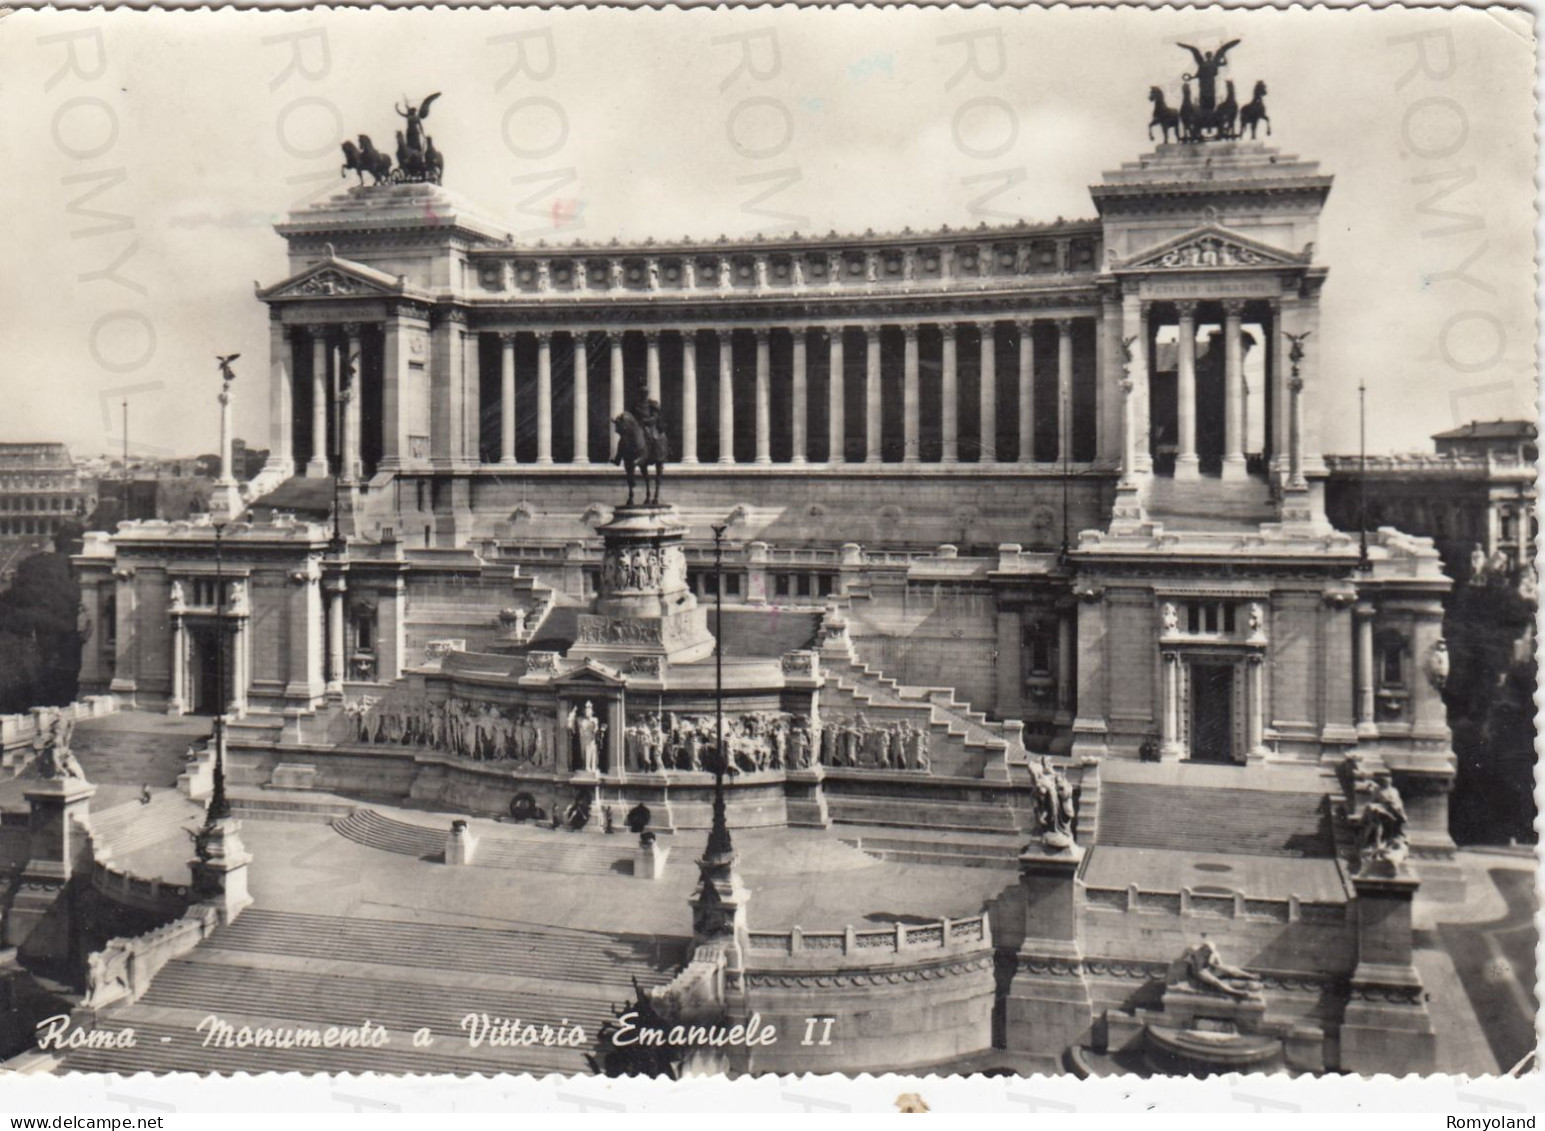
652,335
507,337
1025,325
543,336
762,333
987,326
1233,307
1064,326
615,337
1186,308
350,328
909,331
872,333
947,330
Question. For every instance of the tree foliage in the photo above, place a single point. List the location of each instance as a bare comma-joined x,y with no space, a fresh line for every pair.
40,640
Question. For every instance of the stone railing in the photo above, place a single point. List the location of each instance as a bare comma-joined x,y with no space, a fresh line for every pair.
17,732
1429,463
122,971
1189,903
945,935
154,896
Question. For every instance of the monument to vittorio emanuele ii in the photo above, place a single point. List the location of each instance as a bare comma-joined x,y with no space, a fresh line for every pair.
1004,514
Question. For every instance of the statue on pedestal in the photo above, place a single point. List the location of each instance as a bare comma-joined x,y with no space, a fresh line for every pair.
641,444
587,731
1054,807
51,744
1381,826
1201,968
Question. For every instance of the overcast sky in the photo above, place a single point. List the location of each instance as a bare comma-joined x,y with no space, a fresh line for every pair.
196,136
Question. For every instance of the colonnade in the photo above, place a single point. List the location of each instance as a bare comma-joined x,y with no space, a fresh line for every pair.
804,342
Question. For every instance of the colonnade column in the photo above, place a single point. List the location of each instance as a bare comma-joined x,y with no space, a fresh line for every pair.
544,396
581,396
1134,334
507,399
316,466
1064,389
801,395
1026,329
763,395
178,703
836,424
281,403
1169,715
726,396
872,394
1187,463
614,406
1255,717
951,396
652,364
689,396
1366,727
352,403
1233,392
910,396
988,441
334,588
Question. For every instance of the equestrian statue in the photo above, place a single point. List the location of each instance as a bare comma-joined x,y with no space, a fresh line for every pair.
642,444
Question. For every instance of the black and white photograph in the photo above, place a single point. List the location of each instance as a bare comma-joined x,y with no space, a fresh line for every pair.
747,542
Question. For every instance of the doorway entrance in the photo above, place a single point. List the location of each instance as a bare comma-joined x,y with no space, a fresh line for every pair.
1212,713
203,671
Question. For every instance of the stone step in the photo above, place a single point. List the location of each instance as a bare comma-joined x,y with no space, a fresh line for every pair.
1212,819
539,952
575,854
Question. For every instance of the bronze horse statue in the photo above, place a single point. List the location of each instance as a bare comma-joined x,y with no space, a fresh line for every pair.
1253,113
641,444
1164,116
365,158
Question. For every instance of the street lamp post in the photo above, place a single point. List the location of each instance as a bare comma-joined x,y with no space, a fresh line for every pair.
219,805
720,825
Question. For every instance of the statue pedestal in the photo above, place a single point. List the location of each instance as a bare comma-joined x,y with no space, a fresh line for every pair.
1386,1027
645,608
1048,1007
58,845
220,871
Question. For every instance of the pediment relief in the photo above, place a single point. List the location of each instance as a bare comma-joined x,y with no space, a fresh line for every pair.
336,279
1210,248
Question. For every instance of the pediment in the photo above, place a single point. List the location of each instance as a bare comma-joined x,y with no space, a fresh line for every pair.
1210,248
336,278
592,673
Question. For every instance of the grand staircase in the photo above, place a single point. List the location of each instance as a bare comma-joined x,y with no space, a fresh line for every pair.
1209,504
135,748
284,970
1199,809
132,826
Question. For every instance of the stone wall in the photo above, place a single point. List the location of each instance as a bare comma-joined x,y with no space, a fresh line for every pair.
898,997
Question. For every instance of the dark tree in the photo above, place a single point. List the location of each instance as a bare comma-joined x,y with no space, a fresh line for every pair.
41,612
1490,699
